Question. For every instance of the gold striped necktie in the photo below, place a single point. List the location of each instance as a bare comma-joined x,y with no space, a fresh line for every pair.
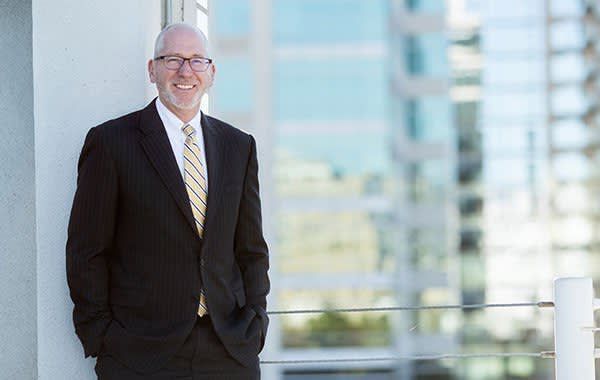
195,185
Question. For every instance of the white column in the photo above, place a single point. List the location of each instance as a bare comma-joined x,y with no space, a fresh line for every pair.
573,312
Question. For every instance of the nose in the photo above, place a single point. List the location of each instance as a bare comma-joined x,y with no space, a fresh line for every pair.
186,68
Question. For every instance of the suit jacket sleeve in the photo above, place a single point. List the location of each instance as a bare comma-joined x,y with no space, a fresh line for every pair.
250,246
90,234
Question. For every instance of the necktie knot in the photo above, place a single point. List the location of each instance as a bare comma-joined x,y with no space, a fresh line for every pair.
189,131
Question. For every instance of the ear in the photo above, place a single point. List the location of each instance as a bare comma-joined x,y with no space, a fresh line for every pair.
151,71
212,73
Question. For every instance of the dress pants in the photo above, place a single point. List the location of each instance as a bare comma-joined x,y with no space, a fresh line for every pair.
202,357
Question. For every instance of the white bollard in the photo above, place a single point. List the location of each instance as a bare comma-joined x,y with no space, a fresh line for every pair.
573,313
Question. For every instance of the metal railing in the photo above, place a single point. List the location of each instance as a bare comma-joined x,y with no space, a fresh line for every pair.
574,330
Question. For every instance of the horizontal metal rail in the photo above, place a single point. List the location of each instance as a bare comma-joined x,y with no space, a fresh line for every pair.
541,355
542,304
414,308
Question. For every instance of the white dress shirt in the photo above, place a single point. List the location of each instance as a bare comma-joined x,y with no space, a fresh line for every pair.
176,136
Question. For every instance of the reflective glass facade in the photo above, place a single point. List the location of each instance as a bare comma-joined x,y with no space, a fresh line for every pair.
332,22
425,54
337,184
332,168
420,152
330,88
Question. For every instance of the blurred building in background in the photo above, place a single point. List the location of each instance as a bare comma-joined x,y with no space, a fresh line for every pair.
424,162
415,152
525,172
573,143
362,171
499,59
353,98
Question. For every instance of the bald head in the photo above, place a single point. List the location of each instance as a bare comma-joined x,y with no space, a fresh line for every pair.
176,29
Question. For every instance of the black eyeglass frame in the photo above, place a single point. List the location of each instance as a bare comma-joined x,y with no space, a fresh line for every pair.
207,61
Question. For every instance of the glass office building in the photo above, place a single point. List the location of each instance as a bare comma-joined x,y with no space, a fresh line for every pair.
500,94
573,141
415,152
524,169
349,103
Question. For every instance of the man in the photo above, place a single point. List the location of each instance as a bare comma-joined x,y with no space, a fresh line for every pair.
166,260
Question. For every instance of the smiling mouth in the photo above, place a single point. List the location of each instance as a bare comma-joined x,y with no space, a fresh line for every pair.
185,86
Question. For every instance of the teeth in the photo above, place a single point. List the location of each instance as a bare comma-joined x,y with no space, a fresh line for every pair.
184,86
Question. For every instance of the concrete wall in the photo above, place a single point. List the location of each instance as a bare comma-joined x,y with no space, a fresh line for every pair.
17,195
89,65
66,66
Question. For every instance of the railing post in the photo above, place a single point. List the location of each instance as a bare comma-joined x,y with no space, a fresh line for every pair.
573,343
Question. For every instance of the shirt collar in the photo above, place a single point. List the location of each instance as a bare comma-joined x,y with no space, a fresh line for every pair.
172,122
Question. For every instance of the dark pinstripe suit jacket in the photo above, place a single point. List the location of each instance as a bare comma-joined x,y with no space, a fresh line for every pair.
135,264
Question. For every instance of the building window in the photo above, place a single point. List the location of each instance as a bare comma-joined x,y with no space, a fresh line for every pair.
202,15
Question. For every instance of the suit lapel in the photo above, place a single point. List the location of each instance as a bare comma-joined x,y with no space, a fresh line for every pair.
155,143
215,153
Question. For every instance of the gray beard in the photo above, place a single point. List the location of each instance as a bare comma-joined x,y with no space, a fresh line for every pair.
185,106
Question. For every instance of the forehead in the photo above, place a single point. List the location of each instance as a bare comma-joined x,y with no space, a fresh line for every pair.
183,42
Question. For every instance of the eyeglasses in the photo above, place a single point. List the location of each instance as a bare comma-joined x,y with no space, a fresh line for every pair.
173,62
